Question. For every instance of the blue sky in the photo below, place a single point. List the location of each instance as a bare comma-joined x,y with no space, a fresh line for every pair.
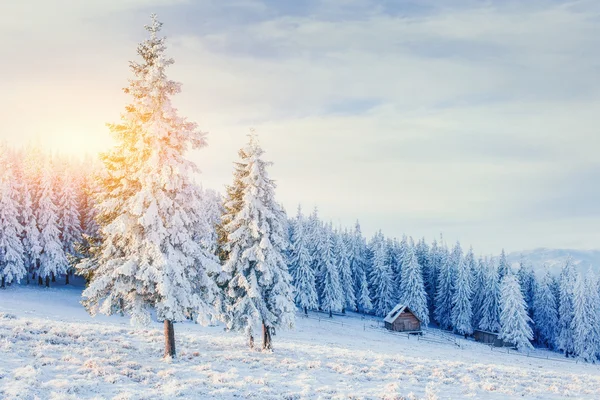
477,119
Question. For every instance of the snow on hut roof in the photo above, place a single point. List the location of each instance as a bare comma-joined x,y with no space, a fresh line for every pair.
399,309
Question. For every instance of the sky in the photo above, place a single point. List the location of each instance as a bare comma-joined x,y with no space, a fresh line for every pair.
475,119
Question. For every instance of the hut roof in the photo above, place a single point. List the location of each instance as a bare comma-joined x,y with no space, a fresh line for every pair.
399,309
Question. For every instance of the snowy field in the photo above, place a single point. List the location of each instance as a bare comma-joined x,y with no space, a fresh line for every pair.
51,349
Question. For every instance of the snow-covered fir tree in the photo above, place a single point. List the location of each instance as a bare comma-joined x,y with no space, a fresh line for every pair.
444,292
479,287
210,211
564,337
12,265
503,266
363,297
342,261
412,288
396,253
490,309
358,265
52,258
315,232
300,265
381,279
423,258
146,207
527,282
546,311
259,290
586,318
462,313
431,274
69,221
332,297
30,234
514,320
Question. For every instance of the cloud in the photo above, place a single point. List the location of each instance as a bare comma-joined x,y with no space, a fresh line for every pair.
415,117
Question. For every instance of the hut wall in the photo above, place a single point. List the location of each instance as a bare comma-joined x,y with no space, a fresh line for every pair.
406,322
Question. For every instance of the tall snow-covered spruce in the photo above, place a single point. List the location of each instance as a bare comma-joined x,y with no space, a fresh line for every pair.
258,291
147,208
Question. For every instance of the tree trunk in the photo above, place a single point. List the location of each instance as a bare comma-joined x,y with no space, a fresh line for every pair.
121,307
40,281
305,311
267,343
330,313
169,339
53,277
27,275
344,310
3,282
47,281
67,280
251,341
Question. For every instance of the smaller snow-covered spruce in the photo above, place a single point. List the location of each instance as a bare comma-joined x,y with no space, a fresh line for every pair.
53,260
444,291
300,265
31,234
566,310
514,320
259,294
342,261
462,313
328,275
12,266
69,218
412,288
381,279
545,312
586,317
490,308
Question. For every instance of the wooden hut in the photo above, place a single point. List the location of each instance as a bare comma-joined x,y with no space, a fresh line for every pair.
490,338
402,319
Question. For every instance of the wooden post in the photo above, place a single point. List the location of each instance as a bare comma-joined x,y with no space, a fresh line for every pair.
267,343
169,339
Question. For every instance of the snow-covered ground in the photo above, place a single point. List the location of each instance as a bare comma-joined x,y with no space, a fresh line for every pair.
51,349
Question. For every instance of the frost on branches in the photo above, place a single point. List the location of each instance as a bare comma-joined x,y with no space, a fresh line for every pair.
258,292
147,207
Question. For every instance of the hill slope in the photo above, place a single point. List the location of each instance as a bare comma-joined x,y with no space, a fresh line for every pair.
52,349
556,258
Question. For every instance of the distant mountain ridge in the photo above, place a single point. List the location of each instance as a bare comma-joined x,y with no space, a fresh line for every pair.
555,259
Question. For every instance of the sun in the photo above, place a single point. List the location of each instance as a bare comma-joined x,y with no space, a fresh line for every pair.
79,142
